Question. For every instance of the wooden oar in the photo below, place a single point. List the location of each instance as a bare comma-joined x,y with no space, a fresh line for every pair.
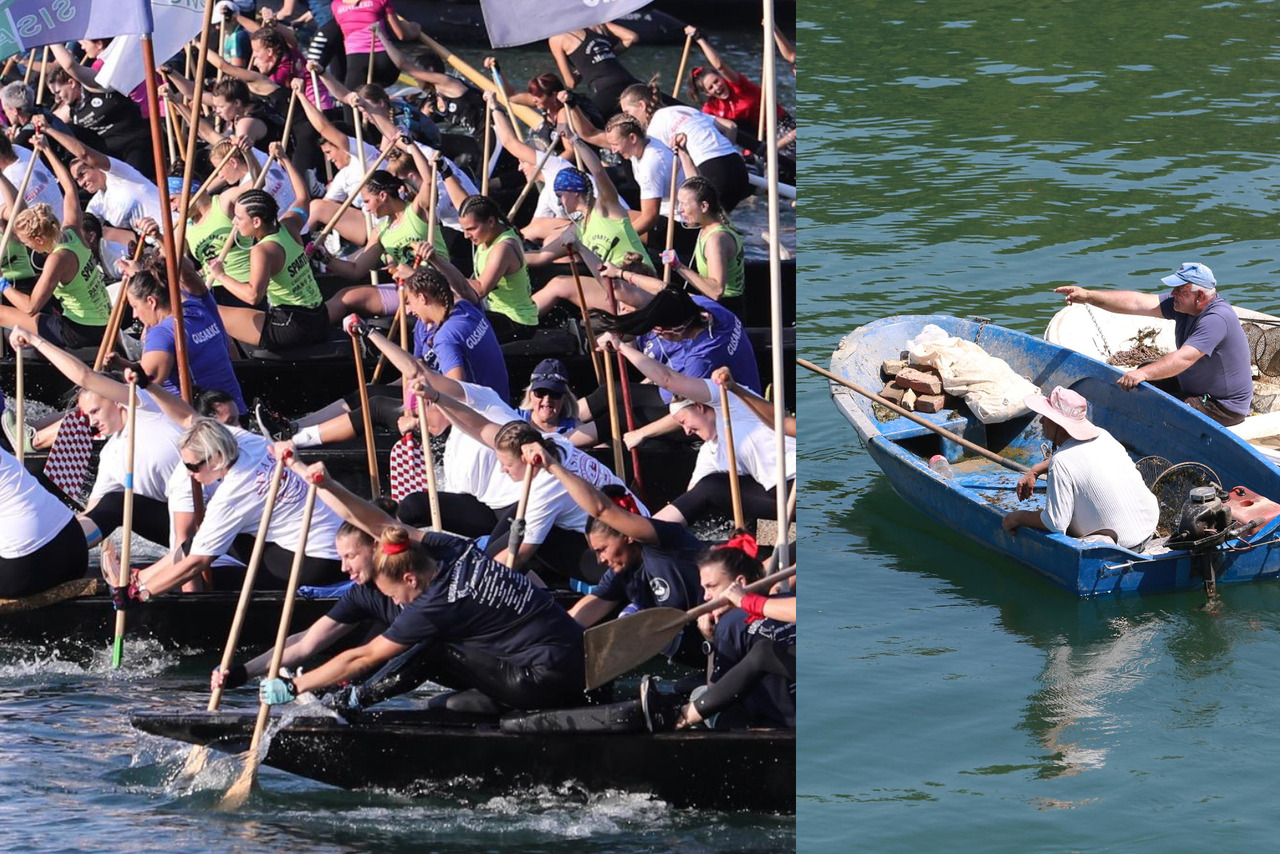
527,114
506,101
351,199
168,128
373,48
44,75
671,214
368,217
636,477
735,488
126,524
488,148
239,791
533,179
19,202
199,754
288,121
906,413
615,423
20,409
217,169
428,460
315,95
117,315
684,60
31,64
586,314
516,538
617,646
366,419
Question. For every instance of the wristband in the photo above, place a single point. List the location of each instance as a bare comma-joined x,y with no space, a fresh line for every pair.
237,675
301,212
4,284
753,604
142,380
445,171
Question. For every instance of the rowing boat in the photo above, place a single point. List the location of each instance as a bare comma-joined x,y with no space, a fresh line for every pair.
438,753
973,502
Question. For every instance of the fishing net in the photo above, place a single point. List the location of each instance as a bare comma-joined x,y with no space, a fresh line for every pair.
1151,468
1171,489
1264,345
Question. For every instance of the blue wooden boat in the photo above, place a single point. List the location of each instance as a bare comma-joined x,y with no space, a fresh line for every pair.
1146,421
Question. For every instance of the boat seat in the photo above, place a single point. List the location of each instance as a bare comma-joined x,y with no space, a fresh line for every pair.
948,419
761,337
331,349
545,343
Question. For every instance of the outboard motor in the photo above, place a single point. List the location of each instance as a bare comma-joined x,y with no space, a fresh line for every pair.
1203,514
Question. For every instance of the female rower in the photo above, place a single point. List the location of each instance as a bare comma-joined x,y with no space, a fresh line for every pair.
70,274
591,55
696,409
718,270
501,275
504,644
717,158
280,270
41,543
648,563
549,404
753,637
355,18
731,96
392,246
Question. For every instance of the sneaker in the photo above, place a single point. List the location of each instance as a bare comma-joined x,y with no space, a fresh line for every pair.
9,421
272,424
661,710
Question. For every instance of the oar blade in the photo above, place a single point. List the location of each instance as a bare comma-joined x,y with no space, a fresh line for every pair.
238,795
197,759
619,645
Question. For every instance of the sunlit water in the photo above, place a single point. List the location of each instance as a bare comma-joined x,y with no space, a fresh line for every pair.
966,158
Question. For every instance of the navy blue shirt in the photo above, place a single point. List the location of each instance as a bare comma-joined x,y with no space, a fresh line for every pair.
477,604
1224,372
773,701
725,343
464,339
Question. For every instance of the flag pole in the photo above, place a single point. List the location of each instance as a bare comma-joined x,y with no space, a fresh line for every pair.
193,132
770,81
170,253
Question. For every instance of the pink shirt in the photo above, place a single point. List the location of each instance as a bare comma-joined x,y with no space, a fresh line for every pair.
139,94
355,20
295,66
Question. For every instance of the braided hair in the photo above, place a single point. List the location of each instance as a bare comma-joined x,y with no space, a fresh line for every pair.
704,191
145,284
514,435
646,94
429,284
484,207
261,204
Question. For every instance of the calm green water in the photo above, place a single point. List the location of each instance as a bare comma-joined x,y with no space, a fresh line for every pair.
966,158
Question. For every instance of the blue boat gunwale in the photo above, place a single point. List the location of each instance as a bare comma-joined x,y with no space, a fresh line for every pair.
1140,419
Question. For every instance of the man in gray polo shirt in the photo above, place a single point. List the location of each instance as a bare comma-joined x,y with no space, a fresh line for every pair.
1211,362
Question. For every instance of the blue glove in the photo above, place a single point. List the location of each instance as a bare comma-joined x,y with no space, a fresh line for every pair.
4,284
274,692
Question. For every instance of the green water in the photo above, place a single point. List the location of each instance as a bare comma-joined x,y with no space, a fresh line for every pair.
967,158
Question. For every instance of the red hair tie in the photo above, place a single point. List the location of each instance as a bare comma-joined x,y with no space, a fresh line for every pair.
394,548
697,72
745,543
627,502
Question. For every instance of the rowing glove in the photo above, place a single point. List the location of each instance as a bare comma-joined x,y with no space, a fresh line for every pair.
274,692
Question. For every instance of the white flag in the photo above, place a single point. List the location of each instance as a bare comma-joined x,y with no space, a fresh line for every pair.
516,22
176,23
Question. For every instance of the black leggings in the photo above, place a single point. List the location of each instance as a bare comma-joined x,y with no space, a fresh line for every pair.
712,495
386,405
646,405
765,658
460,513
385,72
519,687
64,558
277,561
150,517
728,174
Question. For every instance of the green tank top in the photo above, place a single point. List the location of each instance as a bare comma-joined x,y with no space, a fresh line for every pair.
84,298
397,239
294,284
205,239
612,239
735,275
513,296
16,264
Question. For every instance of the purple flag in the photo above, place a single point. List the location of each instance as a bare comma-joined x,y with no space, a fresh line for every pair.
516,22
25,24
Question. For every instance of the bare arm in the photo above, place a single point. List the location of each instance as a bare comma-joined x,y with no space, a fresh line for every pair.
692,388
76,148
322,634
83,74
471,422
1120,302
521,150
323,126
592,500
757,404
72,368
606,192
72,215
567,72
718,251
365,515
258,83
1168,365
713,56
626,37
346,665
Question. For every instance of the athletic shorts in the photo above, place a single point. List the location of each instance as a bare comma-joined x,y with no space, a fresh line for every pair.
66,333
290,326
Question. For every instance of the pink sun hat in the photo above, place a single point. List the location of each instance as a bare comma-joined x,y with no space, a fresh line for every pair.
1066,408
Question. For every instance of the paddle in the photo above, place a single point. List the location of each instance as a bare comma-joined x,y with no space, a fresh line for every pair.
19,202
428,460
315,94
239,791
671,215
488,148
586,314
684,60
366,418
20,410
126,525
199,754
906,413
638,481
217,170
351,199
735,488
527,114
502,96
533,178
617,646
358,114
615,423
117,315
516,539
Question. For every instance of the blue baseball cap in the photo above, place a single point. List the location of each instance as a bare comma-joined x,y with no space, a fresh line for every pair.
1192,273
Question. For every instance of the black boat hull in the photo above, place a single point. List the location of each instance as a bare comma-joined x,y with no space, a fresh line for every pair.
421,753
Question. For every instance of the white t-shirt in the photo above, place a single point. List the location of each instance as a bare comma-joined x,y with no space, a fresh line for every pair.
348,178
241,499
704,139
753,440
1095,485
470,466
277,183
43,186
446,211
32,517
652,171
549,206
127,196
155,457
551,505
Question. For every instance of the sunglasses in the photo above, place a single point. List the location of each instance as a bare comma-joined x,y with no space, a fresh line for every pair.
546,392
195,467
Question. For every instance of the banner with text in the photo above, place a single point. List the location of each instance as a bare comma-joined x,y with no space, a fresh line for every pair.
25,24
516,22
176,23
